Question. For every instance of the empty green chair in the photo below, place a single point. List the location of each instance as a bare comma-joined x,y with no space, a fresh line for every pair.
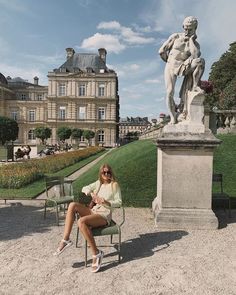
59,191
220,195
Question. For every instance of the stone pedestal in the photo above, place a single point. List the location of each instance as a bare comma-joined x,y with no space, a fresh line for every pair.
184,180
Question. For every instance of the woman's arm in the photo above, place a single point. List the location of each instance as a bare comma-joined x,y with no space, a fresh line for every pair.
88,189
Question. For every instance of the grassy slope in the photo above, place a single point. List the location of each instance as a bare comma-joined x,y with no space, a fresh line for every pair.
135,168
225,162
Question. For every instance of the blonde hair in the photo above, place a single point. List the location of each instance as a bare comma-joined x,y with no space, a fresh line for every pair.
113,178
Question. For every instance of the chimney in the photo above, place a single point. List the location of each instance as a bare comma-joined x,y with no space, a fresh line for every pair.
36,81
102,53
70,52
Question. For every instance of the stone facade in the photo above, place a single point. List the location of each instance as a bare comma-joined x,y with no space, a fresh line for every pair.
81,93
131,124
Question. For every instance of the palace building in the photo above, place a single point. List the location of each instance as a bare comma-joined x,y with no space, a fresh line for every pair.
82,93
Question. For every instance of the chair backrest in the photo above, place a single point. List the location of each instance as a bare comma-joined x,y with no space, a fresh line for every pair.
218,178
58,186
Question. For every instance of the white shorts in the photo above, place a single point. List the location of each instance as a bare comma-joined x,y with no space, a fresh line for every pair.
103,211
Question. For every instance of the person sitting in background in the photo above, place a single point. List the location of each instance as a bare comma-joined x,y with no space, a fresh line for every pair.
105,194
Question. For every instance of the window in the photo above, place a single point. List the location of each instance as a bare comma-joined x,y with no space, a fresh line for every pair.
101,113
82,113
101,89
31,135
82,90
23,96
14,115
62,89
101,136
39,97
62,113
32,115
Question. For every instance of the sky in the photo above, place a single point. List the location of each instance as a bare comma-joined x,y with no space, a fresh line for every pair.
34,35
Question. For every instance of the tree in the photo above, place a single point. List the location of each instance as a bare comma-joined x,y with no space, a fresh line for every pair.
63,133
8,130
43,133
88,134
76,133
223,78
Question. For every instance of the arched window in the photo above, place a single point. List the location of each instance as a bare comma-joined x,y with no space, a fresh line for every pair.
31,135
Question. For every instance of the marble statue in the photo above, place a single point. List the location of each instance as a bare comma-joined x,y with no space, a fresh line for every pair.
181,52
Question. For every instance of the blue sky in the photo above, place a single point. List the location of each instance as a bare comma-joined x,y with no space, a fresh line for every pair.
34,35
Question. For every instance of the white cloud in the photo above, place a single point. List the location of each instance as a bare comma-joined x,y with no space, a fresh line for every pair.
135,38
115,41
109,25
110,42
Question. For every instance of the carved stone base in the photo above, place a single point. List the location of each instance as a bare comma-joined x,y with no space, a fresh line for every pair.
175,218
184,181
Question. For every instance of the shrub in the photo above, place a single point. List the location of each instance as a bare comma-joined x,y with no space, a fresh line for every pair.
17,175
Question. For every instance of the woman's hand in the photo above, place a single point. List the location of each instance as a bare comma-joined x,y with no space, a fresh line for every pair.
97,199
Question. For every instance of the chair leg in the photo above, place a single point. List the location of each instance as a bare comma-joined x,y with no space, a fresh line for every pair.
229,207
119,247
86,253
77,238
57,215
45,209
111,238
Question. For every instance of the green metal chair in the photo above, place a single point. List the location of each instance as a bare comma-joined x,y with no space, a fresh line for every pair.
113,229
220,195
59,191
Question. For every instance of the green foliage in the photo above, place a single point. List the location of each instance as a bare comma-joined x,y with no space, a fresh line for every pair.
43,133
223,77
88,134
8,130
76,133
17,175
63,133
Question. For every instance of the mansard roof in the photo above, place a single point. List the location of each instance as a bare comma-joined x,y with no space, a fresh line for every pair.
3,80
83,62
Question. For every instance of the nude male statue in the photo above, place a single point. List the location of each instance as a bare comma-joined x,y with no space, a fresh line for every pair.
181,52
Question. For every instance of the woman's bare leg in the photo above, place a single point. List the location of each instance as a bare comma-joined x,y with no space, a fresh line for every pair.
86,223
70,218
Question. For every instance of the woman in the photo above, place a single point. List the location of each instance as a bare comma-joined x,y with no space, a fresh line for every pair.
106,195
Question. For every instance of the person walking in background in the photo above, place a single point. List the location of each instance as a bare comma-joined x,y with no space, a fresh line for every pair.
106,194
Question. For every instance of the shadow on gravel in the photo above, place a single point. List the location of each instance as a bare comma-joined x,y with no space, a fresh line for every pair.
224,218
145,245
18,220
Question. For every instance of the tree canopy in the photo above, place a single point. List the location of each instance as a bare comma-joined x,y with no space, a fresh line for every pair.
223,78
8,130
76,133
63,133
88,134
43,133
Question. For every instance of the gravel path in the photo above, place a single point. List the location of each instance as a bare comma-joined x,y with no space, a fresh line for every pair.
154,262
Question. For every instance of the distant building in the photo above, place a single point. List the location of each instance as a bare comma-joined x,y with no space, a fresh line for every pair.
81,93
130,124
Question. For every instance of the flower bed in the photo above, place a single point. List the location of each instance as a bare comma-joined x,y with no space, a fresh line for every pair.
17,175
